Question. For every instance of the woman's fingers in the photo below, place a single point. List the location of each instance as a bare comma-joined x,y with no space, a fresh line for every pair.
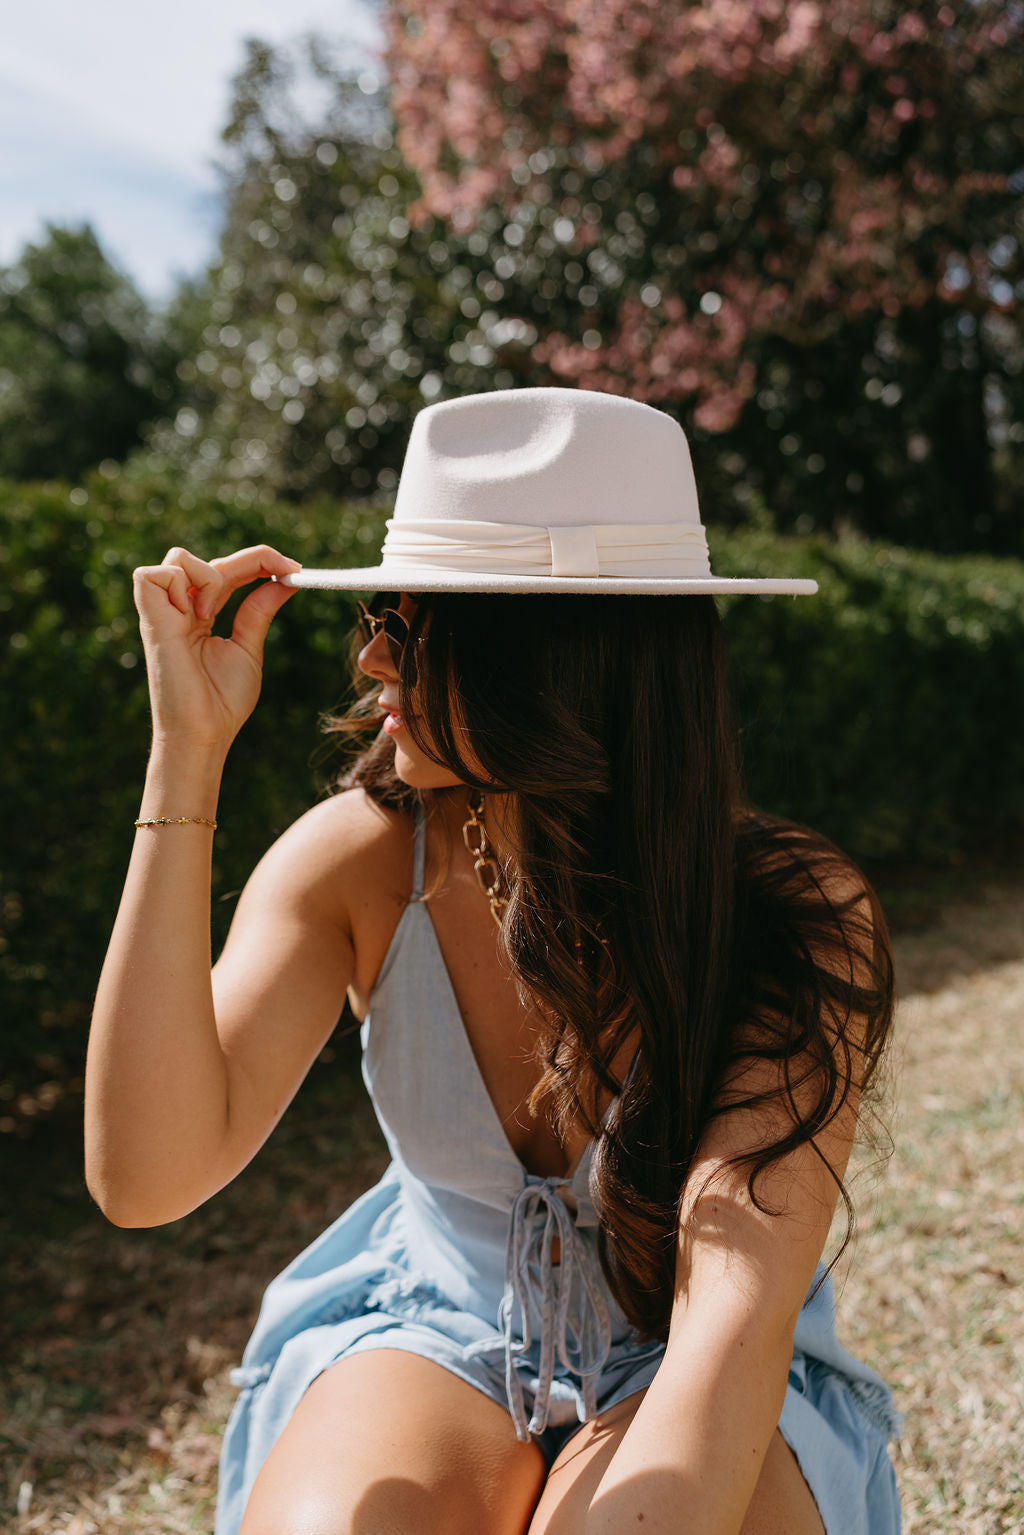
204,582
204,687
256,614
202,587
192,585
169,578
246,565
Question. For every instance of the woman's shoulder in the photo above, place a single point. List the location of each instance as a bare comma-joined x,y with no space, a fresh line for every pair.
813,975
356,821
802,900
797,864
345,851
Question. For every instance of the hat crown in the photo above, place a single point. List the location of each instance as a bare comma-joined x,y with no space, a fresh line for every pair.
545,490
547,458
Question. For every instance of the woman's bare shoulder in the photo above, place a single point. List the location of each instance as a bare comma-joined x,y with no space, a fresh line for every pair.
344,850
352,820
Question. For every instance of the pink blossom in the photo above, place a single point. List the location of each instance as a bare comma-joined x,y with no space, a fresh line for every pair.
825,92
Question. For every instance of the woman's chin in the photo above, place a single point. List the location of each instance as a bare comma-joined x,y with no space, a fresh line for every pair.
420,773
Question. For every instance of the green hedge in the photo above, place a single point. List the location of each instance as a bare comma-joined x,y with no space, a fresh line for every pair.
885,711
75,729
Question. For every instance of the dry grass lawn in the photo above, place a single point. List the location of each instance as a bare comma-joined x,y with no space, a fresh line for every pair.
118,1345
935,1293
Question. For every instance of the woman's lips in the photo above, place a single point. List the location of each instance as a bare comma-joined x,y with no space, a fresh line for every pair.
392,723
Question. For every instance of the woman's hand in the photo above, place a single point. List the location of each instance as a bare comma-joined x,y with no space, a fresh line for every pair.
204,687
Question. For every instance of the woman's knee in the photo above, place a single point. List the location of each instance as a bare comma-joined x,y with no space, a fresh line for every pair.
384,1505
387,1443
323,1502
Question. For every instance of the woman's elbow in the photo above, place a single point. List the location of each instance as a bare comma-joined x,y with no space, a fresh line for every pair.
134,1202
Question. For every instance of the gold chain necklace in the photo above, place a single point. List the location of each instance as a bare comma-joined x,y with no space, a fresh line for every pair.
485,863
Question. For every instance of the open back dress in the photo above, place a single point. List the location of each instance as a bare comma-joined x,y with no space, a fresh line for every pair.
452,1256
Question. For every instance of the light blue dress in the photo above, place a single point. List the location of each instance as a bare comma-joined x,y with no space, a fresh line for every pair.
450,1257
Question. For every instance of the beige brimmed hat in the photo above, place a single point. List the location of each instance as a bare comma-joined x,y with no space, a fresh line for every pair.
545,490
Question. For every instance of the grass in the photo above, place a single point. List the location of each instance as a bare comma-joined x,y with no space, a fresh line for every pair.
118,1343
935,1291
115,1364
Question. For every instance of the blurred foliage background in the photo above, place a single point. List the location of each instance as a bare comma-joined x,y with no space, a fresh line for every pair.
796,228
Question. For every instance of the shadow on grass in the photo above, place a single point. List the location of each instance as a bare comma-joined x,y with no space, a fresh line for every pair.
106,1331
955,921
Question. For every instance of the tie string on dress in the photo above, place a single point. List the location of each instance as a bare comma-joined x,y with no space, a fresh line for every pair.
575,1326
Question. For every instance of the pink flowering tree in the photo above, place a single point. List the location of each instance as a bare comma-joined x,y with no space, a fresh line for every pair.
795,223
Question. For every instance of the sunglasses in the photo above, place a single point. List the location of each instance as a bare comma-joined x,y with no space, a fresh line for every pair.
382,614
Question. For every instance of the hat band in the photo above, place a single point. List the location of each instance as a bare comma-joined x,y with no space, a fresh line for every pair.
663,549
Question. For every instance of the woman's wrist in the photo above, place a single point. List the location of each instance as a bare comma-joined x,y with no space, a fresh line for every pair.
183,781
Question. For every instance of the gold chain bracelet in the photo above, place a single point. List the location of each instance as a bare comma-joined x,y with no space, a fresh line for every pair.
178,820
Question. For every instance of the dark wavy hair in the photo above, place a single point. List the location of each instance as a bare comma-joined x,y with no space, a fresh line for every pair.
655,918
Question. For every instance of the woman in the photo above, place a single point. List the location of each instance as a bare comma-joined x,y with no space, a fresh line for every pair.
617,1026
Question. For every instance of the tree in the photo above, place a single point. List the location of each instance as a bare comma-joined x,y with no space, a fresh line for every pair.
797,225
83,366
326,320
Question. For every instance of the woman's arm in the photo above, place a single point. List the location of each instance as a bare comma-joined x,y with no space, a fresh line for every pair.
692,1456
185,1077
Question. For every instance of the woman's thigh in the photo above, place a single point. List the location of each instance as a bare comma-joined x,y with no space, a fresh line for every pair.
782,1503
389,1443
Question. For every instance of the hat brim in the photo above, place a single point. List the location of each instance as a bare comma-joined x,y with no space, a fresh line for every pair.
392,578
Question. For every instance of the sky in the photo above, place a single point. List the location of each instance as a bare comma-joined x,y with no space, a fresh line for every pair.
111,110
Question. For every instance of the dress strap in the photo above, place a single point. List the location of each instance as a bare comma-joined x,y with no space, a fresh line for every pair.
419,855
